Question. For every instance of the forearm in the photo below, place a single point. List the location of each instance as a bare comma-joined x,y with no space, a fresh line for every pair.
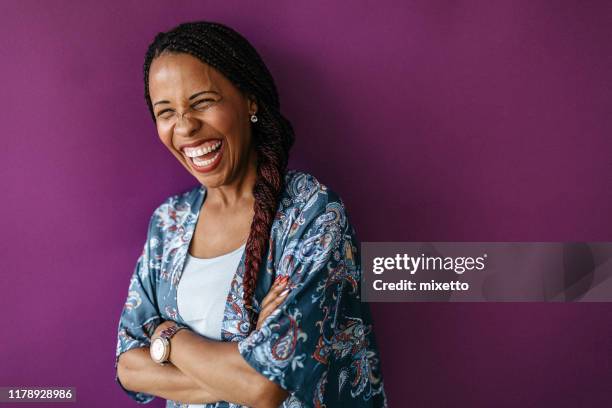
138,372
219,366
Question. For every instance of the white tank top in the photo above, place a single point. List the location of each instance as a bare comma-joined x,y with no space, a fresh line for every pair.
202,291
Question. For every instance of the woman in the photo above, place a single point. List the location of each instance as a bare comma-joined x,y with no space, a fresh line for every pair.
247,291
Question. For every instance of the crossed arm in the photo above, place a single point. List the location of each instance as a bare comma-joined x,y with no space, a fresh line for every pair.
202,370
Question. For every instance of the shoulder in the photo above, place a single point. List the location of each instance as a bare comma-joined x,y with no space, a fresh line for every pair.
177,209
311,201
303,190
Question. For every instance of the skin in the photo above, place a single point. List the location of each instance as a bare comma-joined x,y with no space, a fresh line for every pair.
203,370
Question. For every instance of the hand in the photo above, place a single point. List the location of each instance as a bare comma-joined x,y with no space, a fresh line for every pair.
275,297
160,327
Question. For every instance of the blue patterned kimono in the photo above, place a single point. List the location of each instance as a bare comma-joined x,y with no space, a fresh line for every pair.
318,344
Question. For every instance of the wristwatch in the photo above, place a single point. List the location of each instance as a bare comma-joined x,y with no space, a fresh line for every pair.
160,347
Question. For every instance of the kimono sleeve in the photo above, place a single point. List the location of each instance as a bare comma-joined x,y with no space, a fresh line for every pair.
292,348
140,315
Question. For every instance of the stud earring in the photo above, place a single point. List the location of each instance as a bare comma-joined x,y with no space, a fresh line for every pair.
253,118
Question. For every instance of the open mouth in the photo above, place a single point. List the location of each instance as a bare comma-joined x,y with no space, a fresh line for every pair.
205,157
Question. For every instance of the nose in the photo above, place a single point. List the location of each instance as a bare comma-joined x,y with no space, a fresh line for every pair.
186,125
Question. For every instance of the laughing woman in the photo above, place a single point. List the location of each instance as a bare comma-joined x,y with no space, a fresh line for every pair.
247,291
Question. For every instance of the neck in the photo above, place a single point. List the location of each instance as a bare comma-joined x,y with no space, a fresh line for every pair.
239,191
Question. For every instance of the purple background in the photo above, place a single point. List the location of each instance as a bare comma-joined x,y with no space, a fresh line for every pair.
434,120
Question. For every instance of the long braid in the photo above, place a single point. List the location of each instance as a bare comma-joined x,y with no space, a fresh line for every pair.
266,191
231,54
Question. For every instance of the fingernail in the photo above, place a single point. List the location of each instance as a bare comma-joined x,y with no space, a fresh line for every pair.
284,292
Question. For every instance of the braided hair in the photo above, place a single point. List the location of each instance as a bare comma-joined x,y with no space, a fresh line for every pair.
231,54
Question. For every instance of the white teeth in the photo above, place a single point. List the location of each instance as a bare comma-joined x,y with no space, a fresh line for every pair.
202,163
199,151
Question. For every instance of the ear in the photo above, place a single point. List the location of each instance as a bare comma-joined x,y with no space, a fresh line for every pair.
252,104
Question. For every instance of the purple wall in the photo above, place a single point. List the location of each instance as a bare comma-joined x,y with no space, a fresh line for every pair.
452,120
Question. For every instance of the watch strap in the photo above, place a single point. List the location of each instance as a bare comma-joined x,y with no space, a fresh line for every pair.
168,332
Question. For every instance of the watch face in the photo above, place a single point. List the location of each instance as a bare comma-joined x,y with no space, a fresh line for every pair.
157,350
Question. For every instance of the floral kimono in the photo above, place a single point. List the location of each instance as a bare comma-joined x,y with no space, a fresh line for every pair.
318,344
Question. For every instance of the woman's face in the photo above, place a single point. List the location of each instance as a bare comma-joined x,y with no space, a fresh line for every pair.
202,118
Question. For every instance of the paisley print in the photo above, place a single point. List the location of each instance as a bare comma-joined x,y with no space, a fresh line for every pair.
319,344
133,300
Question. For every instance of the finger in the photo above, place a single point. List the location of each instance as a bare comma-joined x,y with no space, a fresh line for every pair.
265,312
275,290
276,301
263,315
273,304
279,283
281,297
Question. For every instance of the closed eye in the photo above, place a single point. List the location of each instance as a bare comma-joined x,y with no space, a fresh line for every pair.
197,104
163,111
201,101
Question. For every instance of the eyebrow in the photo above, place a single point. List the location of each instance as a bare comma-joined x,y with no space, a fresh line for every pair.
195,95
